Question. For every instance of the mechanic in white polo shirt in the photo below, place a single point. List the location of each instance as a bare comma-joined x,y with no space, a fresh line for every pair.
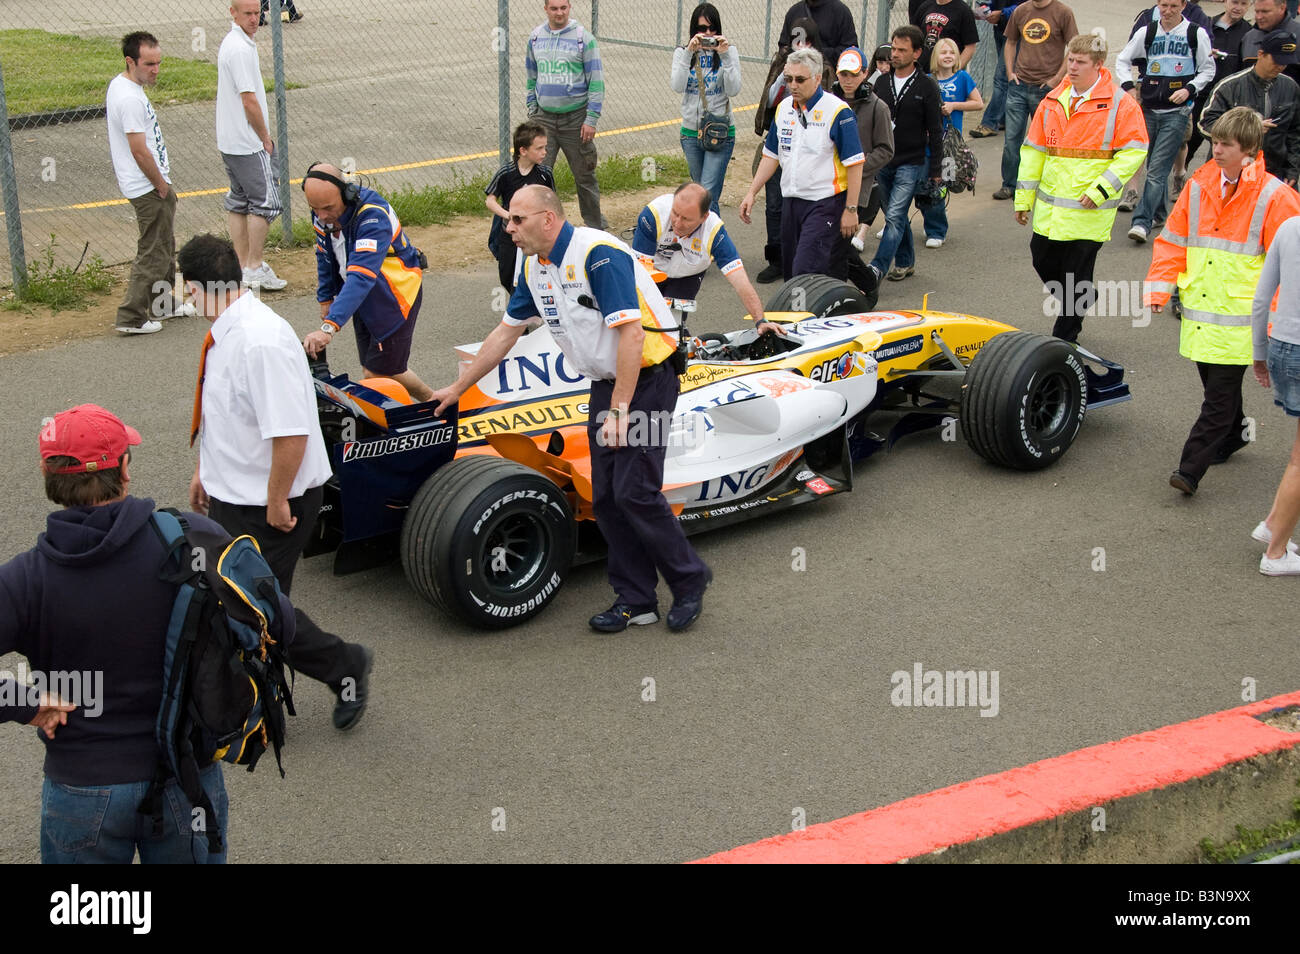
262,460
605,314
814,139
681,235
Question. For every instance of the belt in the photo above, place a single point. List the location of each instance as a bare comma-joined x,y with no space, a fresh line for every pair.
644,373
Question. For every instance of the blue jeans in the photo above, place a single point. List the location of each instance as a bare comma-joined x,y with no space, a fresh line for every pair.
709,169
101,824
935,217
1165,129
1022,101
995,113
897,187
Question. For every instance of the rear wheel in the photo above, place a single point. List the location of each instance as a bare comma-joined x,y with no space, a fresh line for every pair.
822,295
488,540
1023,400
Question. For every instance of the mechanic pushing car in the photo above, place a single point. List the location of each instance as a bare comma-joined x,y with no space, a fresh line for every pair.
599,303
365,267
681,234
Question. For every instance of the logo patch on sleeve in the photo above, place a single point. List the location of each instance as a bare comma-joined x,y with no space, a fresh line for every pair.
367,245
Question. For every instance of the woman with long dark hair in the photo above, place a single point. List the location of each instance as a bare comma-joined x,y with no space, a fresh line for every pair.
711,63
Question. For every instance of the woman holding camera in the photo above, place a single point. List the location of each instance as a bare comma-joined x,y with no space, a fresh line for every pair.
707,73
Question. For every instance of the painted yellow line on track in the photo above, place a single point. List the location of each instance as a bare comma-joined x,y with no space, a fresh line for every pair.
403,167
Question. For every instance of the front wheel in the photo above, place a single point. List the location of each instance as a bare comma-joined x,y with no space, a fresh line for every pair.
1023,400
488,541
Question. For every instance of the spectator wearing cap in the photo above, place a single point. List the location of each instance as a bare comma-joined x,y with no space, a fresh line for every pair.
814,142
876,133
1270,15
88,601
1266,89
1228,32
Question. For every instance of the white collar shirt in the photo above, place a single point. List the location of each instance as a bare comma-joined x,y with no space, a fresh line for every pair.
256,387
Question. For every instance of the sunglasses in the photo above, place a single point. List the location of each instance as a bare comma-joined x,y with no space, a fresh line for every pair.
519,219
791,80
706,28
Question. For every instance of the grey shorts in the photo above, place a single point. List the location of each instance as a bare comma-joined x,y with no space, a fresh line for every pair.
254,187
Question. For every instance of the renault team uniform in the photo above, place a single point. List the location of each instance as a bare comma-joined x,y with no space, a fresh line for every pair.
1212,249
683,258
815,145
370,269
585,289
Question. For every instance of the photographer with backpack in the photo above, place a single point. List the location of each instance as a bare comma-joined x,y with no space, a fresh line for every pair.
88,608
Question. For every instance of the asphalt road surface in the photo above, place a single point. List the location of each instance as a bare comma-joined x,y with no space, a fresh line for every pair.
778,700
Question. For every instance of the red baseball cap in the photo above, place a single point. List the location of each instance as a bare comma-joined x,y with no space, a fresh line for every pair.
94,436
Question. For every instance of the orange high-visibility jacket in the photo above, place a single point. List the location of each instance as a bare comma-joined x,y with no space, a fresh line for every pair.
1214,251
1092,152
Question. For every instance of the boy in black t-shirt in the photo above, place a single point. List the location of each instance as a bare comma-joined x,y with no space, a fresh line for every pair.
526,169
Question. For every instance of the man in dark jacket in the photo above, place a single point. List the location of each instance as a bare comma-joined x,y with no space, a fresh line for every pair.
1270,15
834,26
913,101
88,609
1229,31
1267,90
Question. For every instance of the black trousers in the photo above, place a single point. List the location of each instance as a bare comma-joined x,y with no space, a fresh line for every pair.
314,652
1219,426
1066,270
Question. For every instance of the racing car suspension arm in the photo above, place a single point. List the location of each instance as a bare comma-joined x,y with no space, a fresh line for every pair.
959,368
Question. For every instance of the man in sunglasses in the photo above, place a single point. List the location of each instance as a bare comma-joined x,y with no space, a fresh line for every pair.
613,325
814,141
681,234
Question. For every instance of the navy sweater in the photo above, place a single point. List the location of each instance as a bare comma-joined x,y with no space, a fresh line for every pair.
87,598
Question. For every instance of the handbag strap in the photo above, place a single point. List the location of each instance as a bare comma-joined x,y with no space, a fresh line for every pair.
698,69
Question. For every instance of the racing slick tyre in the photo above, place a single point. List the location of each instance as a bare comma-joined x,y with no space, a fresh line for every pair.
1023,400
822,295
488,541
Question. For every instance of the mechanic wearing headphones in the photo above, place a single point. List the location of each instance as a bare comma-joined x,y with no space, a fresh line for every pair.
681,234
612,325
367,267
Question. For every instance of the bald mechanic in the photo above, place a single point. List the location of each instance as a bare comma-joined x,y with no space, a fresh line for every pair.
606,316
681,235
366,268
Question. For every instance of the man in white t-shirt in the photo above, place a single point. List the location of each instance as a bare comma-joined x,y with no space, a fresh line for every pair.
244,140
135,142
262,460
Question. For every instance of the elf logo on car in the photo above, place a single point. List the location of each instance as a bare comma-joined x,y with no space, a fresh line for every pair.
834,369
538,495
898,349
357,450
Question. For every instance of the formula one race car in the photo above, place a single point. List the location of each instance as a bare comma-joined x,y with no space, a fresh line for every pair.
490,505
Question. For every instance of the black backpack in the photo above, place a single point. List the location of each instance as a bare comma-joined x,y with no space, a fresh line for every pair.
224,689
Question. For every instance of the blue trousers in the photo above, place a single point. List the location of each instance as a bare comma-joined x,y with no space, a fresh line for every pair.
810,236
1022,101
709,169
644,537
1165,129
897,186
995,113
101,824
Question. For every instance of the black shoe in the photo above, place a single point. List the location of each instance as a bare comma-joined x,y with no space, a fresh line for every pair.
687,611
621,615
348,714
770,274
294,18
1184,482
869,281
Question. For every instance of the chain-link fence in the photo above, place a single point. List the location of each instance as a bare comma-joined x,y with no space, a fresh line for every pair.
415,93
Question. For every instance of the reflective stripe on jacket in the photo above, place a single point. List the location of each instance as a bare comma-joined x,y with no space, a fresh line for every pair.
1213,252
1090,153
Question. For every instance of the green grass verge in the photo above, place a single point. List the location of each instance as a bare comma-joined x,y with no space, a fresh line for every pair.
62,286
1250,840
85,65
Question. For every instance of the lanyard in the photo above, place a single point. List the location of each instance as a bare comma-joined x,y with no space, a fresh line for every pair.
897,96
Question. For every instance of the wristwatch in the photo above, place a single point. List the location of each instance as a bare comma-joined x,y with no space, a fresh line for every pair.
328,328
850,208
616,412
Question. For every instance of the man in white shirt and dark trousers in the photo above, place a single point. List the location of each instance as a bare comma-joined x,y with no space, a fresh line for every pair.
262,460
244,140
135,141
1175,64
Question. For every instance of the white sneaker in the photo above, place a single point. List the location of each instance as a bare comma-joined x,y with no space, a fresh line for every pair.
264,278
933,243
148,328
1286,565
1137,233
880,234
857,243
1264,535
187,310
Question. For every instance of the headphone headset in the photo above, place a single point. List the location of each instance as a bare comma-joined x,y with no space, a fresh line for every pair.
350,191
